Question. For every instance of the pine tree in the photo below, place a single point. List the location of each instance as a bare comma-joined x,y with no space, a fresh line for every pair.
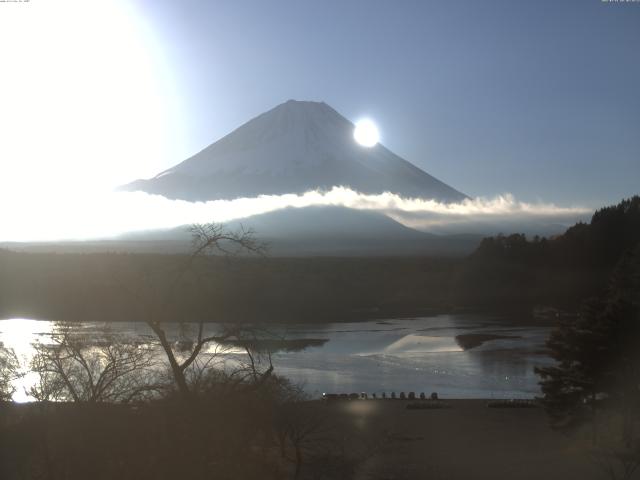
598,354
581,348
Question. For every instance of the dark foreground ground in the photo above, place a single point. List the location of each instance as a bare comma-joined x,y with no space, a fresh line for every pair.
466,441
236,438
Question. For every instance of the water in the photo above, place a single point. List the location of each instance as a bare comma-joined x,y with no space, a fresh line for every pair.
420,354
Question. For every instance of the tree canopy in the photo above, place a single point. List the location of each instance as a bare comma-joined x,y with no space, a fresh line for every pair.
597,353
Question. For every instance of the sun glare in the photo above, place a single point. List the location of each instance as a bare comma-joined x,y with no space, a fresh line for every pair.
19,335
366,133
85,95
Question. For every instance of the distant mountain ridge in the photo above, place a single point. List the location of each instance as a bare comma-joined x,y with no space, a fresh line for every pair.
290,232
295,147
325,231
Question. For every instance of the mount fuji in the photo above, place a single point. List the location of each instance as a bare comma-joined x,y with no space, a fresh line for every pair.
295,147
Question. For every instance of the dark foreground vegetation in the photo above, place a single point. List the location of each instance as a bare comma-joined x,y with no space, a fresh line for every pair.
109,407
180,408
561,271
239,437
593,390
221,434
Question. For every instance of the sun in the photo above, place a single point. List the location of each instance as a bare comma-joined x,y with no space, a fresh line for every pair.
366,133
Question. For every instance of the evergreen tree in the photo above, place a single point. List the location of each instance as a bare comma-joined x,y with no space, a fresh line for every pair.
582,351
598,354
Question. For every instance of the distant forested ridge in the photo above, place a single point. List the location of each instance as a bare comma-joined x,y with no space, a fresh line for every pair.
123,287
512,270
506,272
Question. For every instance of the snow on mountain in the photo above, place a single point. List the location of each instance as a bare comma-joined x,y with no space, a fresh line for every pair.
296,147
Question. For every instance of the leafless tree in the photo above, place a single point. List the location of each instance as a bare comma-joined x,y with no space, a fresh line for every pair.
8,372
102,367
184,359
302,430
618,464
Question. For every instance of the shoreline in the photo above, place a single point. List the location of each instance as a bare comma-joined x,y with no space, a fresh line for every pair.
525,317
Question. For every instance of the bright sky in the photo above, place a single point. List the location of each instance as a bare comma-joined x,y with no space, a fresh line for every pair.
540,100
87,97
87,102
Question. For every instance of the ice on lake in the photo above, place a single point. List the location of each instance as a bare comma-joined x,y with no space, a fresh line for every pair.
417,354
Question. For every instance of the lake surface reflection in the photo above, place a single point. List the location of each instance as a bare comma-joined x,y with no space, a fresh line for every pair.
420,354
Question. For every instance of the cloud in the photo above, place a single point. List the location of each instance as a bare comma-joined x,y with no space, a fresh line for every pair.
113,213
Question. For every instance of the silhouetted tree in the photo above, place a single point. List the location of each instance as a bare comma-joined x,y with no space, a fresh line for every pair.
562,270
208,240
597,375
581,346
100,367
8,373
598,353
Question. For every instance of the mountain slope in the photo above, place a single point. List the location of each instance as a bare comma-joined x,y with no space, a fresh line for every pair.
336,231
328,223
295,147
309,231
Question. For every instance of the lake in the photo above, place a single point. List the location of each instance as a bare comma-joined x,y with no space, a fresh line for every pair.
457,356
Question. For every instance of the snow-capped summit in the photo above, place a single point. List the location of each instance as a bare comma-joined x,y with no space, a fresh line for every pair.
295,147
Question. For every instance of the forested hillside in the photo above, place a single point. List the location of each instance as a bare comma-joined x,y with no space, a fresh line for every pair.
514,270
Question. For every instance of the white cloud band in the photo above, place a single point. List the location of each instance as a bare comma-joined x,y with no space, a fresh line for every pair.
107,215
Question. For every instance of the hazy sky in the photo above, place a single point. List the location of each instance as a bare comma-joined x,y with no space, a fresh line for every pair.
539,98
